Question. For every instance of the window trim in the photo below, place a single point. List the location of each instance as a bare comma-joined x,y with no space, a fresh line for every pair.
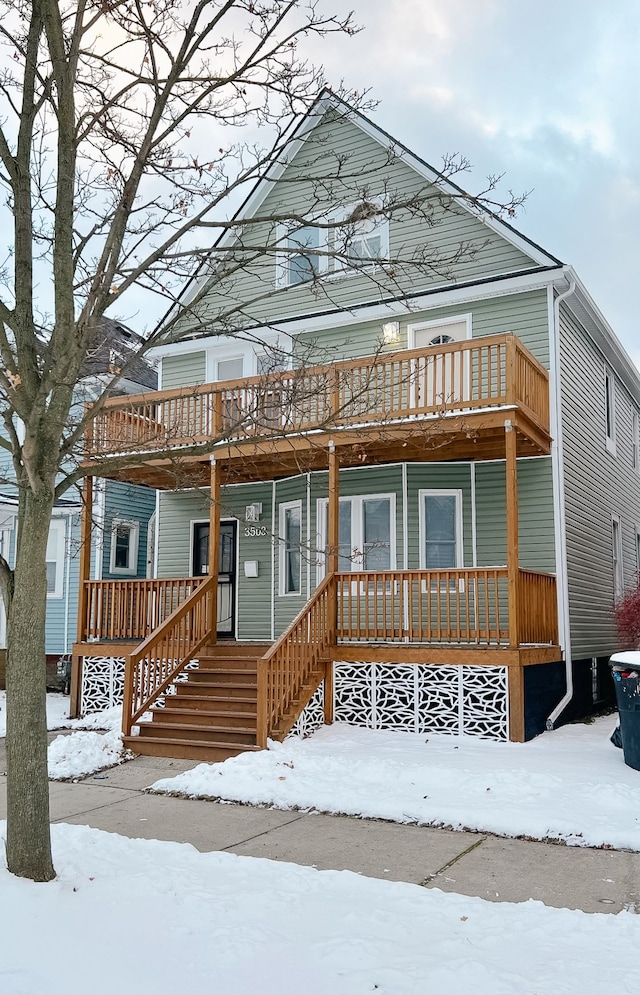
456,319
635,441
134,541
637,545
282,557
58,525
322,526
455,492
617,557
610,411
340,268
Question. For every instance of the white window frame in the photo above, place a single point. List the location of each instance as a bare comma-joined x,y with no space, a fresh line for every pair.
426,492
610,411
282,557
617,558
134,540
357,529
57,533
237,357
635,442
283,233
378,224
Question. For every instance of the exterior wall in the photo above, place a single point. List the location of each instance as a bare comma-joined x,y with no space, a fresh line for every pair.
338,147
130,504
62,611
597,486
184,371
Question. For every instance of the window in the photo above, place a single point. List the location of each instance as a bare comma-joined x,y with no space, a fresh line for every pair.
55,559
302,256
610,411
441,546
124,547
290,547
618,566
638,552
366,535
358,243
635,442
230,369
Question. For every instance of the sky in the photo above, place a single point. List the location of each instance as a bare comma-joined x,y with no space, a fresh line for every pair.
544,91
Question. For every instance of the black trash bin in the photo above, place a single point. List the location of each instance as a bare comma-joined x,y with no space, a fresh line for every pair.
627,684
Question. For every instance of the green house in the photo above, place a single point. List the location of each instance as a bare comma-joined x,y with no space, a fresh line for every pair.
396,453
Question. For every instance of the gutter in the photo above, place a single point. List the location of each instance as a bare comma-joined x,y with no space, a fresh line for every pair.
560,509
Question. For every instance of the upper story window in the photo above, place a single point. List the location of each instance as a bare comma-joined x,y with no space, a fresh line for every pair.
618,564
302,256
610,411
635,442
124,547
360,243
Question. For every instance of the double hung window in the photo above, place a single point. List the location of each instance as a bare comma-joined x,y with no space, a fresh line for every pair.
610,411
441,529
366,533
55,559
291,547
124,547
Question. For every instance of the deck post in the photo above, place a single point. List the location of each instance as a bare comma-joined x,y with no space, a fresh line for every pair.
86,523
513,562
333,541
214,547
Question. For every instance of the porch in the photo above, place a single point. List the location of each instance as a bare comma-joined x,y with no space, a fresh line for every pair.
478,399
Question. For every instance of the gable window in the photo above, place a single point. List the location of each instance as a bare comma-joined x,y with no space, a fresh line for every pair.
610,411
366,534
302,256
360,243
618,566
290,547
441,546
55,559
124,547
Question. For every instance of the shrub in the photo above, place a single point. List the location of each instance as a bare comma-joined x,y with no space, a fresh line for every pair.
627,614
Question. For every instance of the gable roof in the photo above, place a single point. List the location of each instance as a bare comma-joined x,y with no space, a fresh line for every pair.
299,132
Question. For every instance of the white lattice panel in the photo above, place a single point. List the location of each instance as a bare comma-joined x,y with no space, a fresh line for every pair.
470,701
102,682
312,717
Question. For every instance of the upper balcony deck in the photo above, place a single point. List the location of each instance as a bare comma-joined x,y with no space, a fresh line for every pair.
444,402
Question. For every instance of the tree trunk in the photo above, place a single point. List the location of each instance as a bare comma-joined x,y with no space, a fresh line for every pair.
28,836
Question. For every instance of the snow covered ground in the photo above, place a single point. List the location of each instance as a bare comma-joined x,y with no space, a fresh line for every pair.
86,750
157,917
571,784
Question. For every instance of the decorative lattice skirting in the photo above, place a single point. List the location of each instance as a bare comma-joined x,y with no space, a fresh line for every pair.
312,717
102,682
471,701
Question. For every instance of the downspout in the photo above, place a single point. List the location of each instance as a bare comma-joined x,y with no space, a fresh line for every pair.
557,467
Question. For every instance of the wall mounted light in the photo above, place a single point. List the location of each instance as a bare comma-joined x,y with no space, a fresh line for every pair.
390,332
253,511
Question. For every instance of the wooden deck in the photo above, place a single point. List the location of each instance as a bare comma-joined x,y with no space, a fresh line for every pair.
446,402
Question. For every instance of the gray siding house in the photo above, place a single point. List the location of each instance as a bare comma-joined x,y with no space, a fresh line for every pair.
396,453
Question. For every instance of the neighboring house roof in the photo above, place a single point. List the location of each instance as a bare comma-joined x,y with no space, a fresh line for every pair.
116,345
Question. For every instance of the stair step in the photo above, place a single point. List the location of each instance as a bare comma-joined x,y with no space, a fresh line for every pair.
185,749
208,702
225,689
223,675
252,650
207,662
198,716
199,732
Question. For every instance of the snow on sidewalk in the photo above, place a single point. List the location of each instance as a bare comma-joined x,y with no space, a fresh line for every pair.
570,785
206,922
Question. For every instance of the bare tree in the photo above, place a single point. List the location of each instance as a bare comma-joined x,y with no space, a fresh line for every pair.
119,175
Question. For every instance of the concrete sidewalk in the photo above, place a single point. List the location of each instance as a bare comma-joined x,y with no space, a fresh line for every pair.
490,867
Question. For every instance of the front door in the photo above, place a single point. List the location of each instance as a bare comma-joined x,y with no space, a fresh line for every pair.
226,571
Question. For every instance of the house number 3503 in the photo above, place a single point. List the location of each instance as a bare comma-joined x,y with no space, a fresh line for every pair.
255,530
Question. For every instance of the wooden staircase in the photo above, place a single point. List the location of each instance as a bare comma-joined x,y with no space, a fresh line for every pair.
210,713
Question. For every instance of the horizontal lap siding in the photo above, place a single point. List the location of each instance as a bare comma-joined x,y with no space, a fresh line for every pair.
526,315
434,476
57,623
128,503
365,167
535,514
186,370
597,486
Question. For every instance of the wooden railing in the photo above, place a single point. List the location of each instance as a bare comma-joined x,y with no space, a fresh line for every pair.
294,666
453,607
131,609
166,652
475,374
537,600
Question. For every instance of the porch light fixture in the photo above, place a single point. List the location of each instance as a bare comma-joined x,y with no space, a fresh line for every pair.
253,511
390,332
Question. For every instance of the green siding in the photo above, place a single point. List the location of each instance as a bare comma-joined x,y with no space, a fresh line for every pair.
184,370
535,514
353,165
597,486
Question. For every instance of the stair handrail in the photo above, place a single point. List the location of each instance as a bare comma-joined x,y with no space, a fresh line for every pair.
178,639
286,670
